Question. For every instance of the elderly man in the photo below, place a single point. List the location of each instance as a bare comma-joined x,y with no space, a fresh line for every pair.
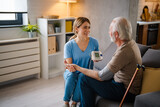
111,82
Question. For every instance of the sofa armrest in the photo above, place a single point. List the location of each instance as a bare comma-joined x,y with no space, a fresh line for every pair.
148,100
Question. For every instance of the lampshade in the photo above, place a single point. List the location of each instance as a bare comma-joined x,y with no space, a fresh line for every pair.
69,1
13,6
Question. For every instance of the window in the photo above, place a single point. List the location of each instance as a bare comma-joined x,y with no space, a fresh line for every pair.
11,19
13,13
7,16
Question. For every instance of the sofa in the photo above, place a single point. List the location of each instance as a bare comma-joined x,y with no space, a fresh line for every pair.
150,91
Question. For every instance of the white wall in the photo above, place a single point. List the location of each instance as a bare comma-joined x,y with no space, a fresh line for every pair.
100,13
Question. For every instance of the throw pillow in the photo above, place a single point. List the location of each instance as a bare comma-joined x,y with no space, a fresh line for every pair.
151,58
143,48
150,81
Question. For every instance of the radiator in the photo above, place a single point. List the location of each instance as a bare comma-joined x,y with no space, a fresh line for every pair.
19,58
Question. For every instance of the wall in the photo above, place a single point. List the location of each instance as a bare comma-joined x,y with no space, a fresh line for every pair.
142,3
133,9
100,13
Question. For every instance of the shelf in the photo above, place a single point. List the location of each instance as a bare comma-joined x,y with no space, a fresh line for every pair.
55,34
57,53
52,64
55,72
143,35
69,33
148,22
54,19
69,18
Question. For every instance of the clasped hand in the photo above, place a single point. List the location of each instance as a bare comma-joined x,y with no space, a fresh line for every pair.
70,67
73,67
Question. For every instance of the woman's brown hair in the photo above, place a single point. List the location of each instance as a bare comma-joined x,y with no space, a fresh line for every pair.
77,23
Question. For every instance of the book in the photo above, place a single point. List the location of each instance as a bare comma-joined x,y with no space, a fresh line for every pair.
51,44
68,26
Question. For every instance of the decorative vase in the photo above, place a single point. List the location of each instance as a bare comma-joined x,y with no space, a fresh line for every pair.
30,34
57,29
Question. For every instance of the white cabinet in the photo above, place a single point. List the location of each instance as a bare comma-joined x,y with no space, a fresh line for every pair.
52,62
19,58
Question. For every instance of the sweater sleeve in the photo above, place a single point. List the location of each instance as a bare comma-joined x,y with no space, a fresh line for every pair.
105,74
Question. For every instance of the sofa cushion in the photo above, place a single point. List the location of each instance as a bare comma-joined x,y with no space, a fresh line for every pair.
150,81
143,48
107,55
148,100
101,102
151,58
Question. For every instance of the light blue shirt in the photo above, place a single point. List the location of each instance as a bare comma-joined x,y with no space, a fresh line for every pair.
79,57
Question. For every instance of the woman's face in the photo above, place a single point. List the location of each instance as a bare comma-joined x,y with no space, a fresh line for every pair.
84,29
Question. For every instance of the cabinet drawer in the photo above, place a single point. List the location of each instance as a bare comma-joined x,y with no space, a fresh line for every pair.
19,74
19,60
18,46
19,53
20,67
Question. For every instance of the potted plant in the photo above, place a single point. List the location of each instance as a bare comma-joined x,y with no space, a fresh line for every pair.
30,29
57,27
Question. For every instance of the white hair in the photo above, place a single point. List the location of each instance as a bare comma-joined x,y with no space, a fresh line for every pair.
123,27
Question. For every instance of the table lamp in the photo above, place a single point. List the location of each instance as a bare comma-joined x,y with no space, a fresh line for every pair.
68,7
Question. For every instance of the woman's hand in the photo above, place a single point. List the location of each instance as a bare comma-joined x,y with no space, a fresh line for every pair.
95,60
70,67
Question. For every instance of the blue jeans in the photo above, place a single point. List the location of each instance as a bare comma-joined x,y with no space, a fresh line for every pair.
110,89
71,86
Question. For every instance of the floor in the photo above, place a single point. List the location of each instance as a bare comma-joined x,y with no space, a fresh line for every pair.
33,93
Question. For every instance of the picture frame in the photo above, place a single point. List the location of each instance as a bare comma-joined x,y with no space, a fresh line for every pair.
50,29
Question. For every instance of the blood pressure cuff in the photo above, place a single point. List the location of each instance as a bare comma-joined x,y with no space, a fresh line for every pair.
105,74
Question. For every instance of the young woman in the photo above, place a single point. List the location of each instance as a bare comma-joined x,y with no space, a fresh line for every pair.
78,51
